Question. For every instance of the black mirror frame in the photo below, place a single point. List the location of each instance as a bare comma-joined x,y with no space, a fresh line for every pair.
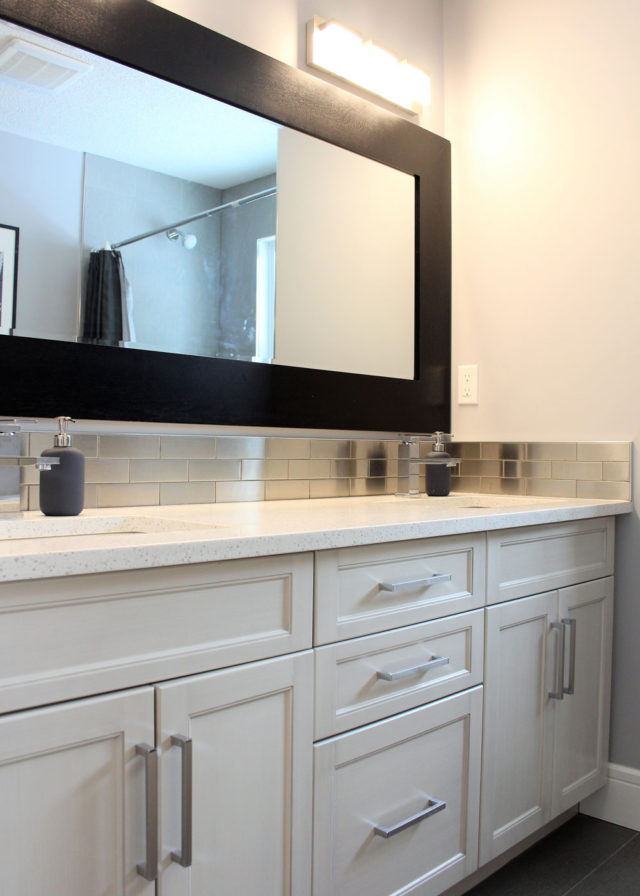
44,378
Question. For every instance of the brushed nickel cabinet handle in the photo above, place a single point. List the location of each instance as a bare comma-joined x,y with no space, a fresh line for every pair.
572,626
558,692
149,868
432,807
408,671
183,855
411,584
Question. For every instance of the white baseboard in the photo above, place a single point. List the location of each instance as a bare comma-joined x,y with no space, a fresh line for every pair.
619,800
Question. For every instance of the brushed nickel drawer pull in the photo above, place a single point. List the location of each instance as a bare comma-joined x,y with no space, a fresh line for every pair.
572,625
411,584
558,693
408,671
432,807
149,868
183,855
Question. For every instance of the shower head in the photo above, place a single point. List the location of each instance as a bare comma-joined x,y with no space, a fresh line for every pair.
189,240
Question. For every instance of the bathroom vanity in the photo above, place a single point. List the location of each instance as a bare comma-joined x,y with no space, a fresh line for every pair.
371,695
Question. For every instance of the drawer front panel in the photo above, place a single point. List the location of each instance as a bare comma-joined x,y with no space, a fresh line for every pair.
365,679
374,588
62,638
390,773
535,559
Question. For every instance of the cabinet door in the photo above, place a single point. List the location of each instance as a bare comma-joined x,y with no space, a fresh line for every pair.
246,819
73,797
518,732
396,802
582,717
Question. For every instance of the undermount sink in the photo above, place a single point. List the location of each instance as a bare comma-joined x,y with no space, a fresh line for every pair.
104,526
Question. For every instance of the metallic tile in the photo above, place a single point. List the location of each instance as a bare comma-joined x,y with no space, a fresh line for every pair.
361,487
107,470
265,469
239,491
609,451
241,447
524,469
159,470
551,451
467,450
187,492
480,468
551,488
128,446
616,471
129,495
319,468
346,469
576,470
210,470
288,488
612,490
502,486
187,446
288,448
513,450
18,445
329,488
465,484
329,448
26,475
488,451
368,448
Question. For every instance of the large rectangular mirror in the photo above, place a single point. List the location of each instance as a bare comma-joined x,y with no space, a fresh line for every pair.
158,218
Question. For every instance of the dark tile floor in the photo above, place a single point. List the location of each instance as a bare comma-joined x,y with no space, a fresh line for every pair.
585,857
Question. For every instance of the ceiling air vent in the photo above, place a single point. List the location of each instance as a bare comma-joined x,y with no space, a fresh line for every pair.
38,67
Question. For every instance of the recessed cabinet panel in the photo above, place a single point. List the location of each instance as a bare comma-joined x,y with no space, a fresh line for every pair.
396,802
518,734
582,717
73,792
69,637
366,679
373,588
535,559
249,828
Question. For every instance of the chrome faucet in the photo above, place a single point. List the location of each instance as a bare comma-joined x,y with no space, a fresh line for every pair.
409,461
11,456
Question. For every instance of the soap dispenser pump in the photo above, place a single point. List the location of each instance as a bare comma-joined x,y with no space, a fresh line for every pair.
62,486
438,474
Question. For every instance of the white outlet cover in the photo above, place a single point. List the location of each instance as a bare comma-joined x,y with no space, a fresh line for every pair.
468,384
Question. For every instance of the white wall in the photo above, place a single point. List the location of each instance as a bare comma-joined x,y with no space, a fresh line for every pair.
542,104
410,28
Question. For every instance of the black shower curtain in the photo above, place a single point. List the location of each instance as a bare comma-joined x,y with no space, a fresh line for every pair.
102,319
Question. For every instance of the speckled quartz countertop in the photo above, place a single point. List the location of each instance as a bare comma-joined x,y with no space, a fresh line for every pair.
33,546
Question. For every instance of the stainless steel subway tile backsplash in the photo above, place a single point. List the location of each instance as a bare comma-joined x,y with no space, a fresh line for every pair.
179,469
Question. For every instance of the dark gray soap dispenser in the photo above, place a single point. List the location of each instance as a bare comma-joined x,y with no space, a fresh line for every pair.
62,486
438,474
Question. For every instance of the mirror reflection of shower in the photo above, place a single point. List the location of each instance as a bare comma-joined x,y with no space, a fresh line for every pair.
189,240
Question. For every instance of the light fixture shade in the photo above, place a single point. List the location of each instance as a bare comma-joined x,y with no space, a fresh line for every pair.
340,51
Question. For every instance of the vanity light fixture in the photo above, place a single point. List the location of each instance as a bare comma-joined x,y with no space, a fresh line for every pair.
340,51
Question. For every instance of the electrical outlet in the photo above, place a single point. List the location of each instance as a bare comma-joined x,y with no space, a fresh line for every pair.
468,384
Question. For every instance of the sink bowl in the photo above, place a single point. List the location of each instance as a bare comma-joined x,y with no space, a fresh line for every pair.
104,526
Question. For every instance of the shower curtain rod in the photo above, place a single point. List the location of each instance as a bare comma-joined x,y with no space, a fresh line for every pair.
244,200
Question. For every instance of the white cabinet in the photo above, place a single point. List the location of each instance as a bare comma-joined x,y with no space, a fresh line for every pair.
73,795
547,684
236,780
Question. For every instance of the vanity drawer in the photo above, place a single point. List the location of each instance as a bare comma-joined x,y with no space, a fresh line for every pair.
373,588
63,638
534,559
385,774
366,679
